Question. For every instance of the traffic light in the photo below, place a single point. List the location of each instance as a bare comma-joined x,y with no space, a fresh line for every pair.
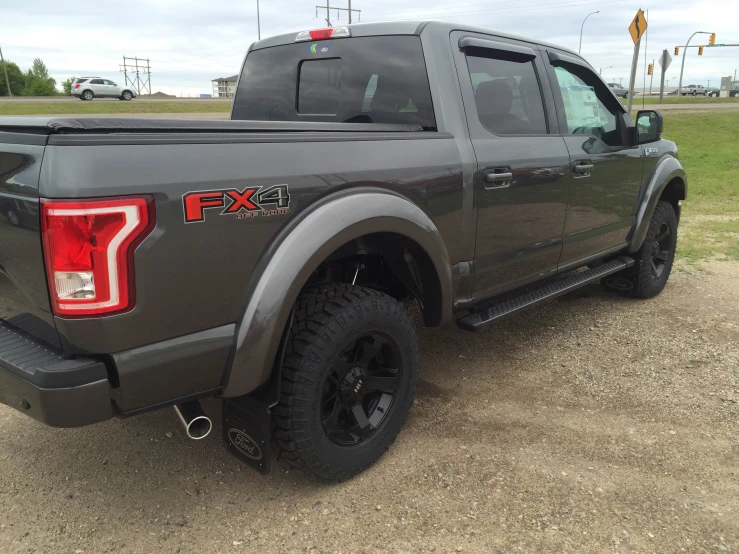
677,50
650,67
700,50
712,40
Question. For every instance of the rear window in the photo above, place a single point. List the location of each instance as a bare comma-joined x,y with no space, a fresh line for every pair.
353,80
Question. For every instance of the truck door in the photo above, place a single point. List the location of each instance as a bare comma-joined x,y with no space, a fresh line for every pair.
606,167
522,162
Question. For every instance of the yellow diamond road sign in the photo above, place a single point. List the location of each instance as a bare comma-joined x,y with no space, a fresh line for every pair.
638,26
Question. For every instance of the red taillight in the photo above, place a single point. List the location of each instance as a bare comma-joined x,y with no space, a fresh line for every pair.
88,251
323,34
77,85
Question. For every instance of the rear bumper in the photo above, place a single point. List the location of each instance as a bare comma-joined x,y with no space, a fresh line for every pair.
40,383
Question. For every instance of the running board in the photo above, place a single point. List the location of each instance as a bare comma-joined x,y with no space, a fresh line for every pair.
480,319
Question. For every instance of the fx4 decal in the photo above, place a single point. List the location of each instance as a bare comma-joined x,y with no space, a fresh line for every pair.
244,204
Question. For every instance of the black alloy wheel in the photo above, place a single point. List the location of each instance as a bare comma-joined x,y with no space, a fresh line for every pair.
661,250
348,380
360,389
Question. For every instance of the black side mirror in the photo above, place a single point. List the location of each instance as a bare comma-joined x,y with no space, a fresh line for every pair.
648,126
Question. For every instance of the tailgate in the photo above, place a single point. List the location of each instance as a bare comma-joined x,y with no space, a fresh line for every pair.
24,296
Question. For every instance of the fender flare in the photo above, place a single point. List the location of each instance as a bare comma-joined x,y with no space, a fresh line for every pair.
667,169
295,254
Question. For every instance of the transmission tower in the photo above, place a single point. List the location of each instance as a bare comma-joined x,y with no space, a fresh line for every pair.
327,7
137,74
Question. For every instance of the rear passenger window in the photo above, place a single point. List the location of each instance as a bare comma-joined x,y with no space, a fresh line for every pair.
507,96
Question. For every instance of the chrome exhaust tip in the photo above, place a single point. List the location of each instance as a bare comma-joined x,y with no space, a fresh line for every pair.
197,424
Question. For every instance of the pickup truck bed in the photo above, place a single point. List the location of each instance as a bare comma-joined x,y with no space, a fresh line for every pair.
267,260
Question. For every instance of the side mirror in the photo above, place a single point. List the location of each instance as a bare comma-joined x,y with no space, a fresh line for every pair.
648,126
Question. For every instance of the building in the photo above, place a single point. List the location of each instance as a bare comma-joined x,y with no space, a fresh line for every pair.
225,87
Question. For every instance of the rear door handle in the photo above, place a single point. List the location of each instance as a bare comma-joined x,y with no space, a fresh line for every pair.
582,168
498,180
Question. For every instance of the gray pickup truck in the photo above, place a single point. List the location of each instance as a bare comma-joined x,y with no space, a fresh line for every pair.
269,261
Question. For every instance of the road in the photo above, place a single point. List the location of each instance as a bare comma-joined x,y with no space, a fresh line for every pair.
592,424
75,99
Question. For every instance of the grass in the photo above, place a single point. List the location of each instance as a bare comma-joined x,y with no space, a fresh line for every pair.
681,100
708,147
61,108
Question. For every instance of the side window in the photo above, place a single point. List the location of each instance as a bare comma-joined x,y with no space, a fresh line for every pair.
96,82
507,95
589,107
109,82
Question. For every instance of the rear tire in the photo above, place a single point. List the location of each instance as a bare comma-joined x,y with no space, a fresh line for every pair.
87,95
348,380
649,275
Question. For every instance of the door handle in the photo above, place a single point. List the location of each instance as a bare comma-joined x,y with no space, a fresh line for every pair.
498,180
582,168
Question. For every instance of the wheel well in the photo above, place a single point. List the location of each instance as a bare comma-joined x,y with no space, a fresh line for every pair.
388,262
674,192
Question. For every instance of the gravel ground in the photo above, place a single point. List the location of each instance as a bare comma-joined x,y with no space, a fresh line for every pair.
592,424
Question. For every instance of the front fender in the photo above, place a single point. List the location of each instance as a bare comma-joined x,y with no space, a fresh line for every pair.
664,172
300,249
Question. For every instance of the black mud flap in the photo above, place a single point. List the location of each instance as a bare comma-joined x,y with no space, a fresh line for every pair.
247,430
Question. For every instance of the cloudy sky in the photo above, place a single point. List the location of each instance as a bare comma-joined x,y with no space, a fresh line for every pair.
190,42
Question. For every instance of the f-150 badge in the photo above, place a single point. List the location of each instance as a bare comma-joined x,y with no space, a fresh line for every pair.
244,204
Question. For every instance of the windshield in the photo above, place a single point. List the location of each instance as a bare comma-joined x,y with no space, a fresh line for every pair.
353,80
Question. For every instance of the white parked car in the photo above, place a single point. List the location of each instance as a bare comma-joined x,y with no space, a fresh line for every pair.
693,90
87,88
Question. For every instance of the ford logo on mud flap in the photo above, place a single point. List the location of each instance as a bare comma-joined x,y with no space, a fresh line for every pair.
619,283
245,444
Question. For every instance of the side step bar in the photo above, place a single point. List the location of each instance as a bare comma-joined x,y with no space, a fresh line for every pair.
480,319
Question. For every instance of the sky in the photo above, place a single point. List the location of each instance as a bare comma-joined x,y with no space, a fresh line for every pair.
191,42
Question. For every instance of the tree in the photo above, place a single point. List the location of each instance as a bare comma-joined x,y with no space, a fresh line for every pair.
67,85
38,81
16,78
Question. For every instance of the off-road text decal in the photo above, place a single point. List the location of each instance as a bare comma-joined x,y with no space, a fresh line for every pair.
250,202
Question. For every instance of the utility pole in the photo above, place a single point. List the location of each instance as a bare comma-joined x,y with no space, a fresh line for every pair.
259,27
682,66
349,10
7,81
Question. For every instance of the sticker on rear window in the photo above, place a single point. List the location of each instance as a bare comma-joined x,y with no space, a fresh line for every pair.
244,204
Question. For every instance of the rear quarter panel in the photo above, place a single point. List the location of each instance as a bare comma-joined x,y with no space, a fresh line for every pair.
191,277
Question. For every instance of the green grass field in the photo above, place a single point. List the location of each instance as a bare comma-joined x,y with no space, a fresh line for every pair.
681,100
61,108
708,147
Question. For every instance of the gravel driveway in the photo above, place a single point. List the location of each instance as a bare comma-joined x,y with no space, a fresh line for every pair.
592,424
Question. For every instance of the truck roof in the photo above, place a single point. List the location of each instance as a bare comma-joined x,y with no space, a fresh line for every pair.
402,28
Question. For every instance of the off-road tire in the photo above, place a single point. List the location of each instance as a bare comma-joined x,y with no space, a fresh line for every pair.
641,280
326,319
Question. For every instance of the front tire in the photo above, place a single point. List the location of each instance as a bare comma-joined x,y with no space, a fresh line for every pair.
348,380
126,95
649,275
